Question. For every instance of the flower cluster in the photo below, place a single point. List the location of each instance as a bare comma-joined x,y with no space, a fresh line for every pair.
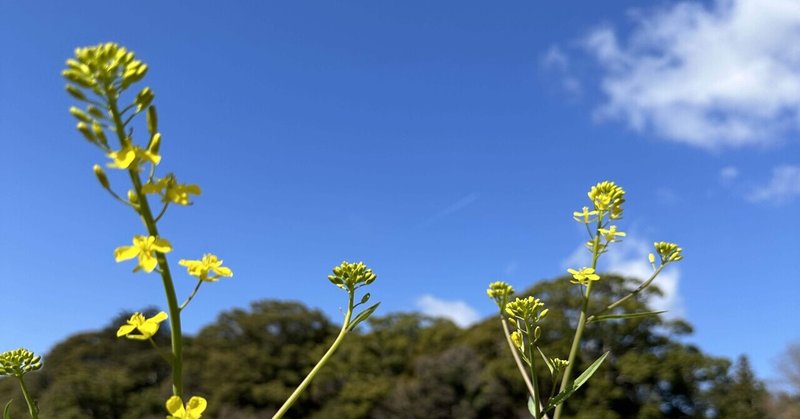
171,191
607,196
669,252
530,310
500,292
350,276
19,362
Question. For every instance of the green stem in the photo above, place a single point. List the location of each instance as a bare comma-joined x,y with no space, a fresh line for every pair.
576,341
196,288
299,390
166,277
518,361
32,409
536,398
613,305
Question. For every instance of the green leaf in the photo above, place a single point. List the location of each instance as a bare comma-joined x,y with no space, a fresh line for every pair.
626,316
362,316
7,410
531,406
581,380
546,361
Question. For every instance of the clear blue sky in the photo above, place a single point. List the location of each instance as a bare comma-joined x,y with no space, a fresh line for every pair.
444,143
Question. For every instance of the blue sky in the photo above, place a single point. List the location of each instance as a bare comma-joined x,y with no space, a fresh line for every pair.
445,144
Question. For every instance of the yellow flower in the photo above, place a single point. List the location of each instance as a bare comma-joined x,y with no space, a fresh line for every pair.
584,216
146,327
172,191
143,247
669,252
130,156
611,233
516,337
607,194
192,410
201,268
583,276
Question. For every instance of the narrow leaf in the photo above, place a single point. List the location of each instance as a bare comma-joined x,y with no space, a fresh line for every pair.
7,410
362,316
546,361
564,395
627,315
531,406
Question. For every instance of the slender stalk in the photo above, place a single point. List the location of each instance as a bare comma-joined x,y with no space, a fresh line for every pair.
517,359
536,398
299,390
32,409
576,341
166,277
631,294
188,300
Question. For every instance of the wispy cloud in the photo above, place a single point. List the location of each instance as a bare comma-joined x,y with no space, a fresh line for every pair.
712,76
458,311
728,174
782,187
629,259
453,208
555,60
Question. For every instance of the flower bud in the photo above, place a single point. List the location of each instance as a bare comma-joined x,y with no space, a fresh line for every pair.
101,176
152,120
75,92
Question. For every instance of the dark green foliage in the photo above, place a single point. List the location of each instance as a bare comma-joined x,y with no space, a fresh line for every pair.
396,366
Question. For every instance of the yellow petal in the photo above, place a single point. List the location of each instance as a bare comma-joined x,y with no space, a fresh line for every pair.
147,262
148,329
160,317
125,329
196,406
161,245
175,406
223,271
125,252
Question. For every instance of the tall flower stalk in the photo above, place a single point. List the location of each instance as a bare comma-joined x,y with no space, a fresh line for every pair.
16,364
526,314
99,77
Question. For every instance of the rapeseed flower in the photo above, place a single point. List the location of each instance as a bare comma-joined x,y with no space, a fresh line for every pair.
147,327
208,264
143,247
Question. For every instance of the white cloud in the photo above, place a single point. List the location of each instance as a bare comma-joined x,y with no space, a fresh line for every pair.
723,75
555,60
783,186
728,174
458,311
629,259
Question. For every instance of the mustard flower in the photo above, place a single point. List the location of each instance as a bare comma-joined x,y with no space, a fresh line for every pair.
583,276
172,191
19,362
611,233
349,276
147,328
584,216
208,264
130,156
192,410
669,252
500,292
608,196
143,247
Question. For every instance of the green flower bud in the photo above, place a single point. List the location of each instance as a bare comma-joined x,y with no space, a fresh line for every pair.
97,130
75,92
80,114
84,129
143,99
101,176
350,276
19,362
152,120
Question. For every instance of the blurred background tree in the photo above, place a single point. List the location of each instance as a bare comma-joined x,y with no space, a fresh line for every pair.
405,365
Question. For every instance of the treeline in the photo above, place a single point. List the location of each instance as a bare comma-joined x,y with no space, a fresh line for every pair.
399,366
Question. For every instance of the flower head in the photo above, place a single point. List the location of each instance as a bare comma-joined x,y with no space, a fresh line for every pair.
583,276
172,191
192,410
528,309
143,247
607,196
500,292
669,252
147,328
209,264
19,362
350,276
